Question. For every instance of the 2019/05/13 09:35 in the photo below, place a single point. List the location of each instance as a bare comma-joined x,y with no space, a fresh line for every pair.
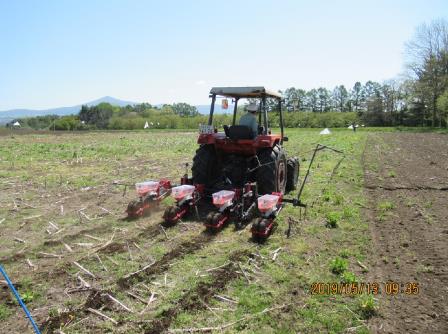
357,288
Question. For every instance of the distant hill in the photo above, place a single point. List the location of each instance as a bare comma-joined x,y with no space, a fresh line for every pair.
8,115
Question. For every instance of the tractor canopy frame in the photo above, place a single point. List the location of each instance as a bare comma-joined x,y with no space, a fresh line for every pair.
258,92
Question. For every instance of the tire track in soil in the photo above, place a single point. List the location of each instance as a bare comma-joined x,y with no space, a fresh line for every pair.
196,298
185,248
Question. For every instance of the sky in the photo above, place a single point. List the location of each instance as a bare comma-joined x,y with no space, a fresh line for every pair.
67,52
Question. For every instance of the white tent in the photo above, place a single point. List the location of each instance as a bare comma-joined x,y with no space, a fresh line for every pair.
146,126
325,131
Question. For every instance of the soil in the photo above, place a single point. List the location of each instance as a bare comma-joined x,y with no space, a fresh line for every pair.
406,181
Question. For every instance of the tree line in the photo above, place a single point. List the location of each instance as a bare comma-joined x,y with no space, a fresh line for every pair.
107,117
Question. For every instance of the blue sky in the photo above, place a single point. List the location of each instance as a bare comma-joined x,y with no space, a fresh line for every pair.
62,53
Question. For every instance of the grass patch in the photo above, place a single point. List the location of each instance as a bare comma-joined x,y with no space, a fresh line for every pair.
386,206
5,312
338,265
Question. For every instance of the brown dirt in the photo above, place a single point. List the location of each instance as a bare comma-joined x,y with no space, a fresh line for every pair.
410,239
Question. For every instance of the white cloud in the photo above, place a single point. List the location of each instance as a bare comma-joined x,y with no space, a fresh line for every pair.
200,82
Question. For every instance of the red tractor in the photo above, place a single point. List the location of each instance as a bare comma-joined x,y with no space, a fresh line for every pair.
230,159
248,164
244,171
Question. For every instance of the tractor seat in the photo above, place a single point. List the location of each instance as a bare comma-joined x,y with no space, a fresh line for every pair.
237,132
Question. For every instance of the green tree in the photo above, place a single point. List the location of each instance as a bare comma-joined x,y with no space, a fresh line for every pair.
312,98
340,98
428,65
324,99
357,96
185,110
98,115
442,106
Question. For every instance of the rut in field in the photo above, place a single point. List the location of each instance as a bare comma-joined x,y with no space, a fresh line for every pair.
186,247
197,298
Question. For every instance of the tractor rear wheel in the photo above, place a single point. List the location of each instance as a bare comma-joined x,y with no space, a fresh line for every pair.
271,176
204,165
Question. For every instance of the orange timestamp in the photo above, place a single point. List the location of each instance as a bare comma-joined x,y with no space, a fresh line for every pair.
372,288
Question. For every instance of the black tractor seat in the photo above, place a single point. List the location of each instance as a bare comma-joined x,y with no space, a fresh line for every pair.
236,132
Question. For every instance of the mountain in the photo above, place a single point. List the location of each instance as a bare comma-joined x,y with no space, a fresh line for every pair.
111,100
8,115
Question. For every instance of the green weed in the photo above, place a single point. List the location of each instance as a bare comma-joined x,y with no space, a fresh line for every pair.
345,253
367,306
332,219
338,265
391,174
385,206
348,277
425,269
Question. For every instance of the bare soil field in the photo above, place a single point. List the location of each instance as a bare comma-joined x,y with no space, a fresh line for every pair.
83,268
406,179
